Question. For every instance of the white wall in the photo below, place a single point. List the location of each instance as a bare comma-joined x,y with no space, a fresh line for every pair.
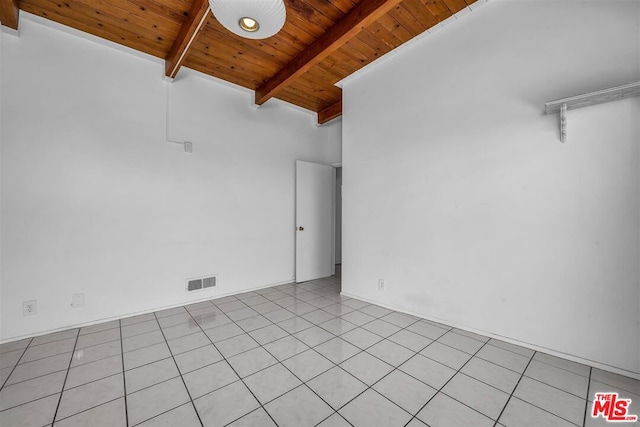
338,238
334,136
94,199
459,193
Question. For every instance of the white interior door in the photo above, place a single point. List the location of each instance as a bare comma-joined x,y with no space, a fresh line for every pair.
314,220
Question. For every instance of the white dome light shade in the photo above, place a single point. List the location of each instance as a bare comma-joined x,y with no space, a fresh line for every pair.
269,15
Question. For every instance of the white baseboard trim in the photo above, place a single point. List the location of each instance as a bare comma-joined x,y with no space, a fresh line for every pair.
572,357
137,313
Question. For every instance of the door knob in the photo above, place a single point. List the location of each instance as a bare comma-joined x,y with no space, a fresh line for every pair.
301,228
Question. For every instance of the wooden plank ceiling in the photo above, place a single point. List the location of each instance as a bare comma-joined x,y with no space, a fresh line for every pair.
322,41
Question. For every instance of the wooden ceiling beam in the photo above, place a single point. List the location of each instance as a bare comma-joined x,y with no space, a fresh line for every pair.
190,29
330,113
9,13
361,16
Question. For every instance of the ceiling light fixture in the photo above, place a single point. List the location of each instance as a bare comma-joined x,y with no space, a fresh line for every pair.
249,24
252,19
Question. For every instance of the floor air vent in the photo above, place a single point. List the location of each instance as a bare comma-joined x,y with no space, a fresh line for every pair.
201,283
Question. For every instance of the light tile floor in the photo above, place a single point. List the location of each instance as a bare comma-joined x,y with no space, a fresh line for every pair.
291,355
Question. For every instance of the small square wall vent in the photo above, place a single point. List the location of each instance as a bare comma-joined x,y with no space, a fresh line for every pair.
201,283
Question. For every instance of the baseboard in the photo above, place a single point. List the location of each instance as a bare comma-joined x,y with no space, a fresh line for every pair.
137,313
572,357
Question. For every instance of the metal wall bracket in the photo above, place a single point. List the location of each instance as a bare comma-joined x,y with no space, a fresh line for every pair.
563,123
593,98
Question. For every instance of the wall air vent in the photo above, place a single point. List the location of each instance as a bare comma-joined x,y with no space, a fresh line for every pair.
201,283
209,282
193,285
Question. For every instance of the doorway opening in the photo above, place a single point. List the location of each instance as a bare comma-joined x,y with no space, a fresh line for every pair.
318,221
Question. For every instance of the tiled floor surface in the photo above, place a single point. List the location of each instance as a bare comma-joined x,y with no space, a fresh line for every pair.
291,355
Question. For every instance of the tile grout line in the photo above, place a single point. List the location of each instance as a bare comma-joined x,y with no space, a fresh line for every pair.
48,342
68,369
296,315
546,364
557,388
209,301
16,365
55,414
562,369
30,401
124,377
181,377
262,314
160,382
395,368
547,411
312,325
506,349
586,405
89,409
294,374
364,351
155,416
245,331
232,368
337,365
472,356
497,364
445,384
60,354
49,395
338,414
549,385
611,385
180,373
230,321
95,380
368,387
100,330
509,369
202,330
42,358
304,383
279,362
514,389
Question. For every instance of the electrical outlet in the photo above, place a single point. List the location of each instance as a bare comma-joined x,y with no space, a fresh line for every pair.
77,300
381,285
29,308
188,147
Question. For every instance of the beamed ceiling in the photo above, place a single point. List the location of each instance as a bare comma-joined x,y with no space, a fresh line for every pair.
322,41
